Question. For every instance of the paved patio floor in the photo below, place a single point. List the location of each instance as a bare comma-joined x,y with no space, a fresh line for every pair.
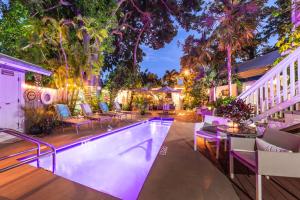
180,174
185,174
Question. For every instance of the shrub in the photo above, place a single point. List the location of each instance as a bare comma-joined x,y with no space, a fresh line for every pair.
223,101
238,111
39,120
141,103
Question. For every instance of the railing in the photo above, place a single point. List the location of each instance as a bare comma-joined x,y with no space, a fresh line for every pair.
30,159
277,86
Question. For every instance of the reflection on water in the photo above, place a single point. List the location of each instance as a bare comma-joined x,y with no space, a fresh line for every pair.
116,164
148,149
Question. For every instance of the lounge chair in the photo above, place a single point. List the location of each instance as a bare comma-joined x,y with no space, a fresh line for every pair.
275,154
105,111
64,116
88,113
119,110
208,131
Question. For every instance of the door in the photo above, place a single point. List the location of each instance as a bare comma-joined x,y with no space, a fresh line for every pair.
10,91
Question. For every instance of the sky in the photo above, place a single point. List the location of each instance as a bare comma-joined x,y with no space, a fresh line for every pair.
168,58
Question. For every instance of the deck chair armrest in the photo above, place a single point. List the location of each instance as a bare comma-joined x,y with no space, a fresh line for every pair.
198,127
278,163
237,143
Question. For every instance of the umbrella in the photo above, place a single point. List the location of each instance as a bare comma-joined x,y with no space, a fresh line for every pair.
166,89
143,89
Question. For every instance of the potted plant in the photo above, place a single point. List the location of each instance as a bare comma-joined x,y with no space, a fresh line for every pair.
39,120
237,110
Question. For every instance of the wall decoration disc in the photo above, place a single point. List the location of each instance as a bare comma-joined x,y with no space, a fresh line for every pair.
30,95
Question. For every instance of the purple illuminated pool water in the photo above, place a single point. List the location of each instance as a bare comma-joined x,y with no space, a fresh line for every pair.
116,164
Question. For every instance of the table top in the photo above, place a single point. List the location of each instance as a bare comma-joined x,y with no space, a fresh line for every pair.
238,131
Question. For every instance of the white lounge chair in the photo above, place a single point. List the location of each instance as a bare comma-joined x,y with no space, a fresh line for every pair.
88,113
207,131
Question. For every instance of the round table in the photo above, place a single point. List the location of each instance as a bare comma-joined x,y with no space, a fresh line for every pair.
237,131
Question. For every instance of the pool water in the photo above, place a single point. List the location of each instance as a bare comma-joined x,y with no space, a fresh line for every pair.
116,164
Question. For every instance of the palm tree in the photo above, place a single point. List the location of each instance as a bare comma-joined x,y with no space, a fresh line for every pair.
232,25
170,78
56,33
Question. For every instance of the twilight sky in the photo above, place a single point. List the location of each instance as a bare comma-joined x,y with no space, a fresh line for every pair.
168,58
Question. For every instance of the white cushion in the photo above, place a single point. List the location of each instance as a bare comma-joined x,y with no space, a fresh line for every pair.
265,146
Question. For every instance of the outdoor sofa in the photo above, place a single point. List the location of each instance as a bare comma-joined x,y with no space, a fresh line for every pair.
276,153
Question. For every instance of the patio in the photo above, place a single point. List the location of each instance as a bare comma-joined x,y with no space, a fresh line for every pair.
178,173
138,99
190,172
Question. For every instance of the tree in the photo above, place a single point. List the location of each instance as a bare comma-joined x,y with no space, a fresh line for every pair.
199,93
151,22
14,27
231,26
170,78
119,78
149,79
278,17
227,26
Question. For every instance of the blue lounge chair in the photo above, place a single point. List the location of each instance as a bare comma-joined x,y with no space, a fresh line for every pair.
64,116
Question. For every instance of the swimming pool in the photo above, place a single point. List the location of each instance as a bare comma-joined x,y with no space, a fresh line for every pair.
117,163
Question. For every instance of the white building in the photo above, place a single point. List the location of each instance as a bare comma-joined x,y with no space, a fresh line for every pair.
12,81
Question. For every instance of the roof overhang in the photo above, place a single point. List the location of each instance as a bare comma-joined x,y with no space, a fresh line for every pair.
22,65
253,72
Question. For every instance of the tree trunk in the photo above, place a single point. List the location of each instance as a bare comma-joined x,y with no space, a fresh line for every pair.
137,44
229,69
64,54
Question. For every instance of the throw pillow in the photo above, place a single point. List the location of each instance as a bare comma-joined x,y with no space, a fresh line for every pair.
262,145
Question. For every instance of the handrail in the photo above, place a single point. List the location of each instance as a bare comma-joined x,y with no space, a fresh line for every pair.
272,72
38,153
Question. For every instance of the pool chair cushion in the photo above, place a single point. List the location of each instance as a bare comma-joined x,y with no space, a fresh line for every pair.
104,107
118,106
63,110
247,157
87,109
209,128
262,145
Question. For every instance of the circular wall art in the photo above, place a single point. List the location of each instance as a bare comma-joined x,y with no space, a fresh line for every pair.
30,95
46,97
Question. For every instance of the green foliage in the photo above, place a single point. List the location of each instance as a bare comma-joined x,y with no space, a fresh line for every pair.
199,93
278,18
141,102
54,34
15,25
149,79
39,120
290,41
170,78
126,107
223,102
